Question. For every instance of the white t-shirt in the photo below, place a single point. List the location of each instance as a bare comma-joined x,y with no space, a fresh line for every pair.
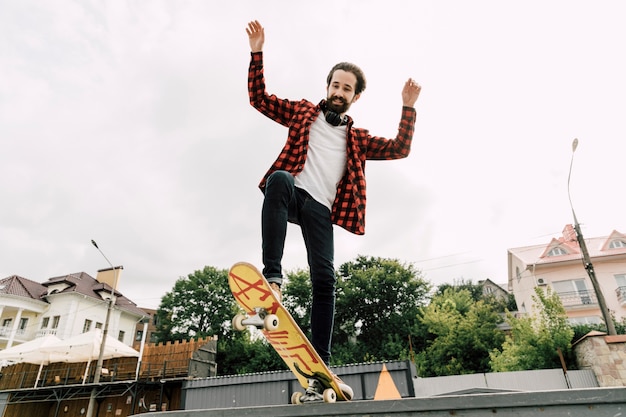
325,161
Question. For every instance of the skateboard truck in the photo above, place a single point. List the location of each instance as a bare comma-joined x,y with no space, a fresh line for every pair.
261,319
314,393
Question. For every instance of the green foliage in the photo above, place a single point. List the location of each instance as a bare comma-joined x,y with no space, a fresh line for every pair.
297,297
477,294
461,333
378,301
534,341
475,290
199,305
581,330
246,352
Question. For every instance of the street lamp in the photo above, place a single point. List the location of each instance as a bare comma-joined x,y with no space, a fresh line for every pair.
586,259
96,379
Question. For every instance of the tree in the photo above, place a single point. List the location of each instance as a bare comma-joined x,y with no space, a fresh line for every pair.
199,305
202,304
462,332
535,341
477,293
475,290
378,301
297,297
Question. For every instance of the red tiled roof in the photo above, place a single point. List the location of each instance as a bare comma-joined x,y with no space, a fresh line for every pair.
21,287
84,284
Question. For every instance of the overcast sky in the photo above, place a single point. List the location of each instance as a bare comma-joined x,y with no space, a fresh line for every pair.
128,122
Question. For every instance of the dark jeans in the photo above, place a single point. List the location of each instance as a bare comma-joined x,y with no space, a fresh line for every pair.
286,203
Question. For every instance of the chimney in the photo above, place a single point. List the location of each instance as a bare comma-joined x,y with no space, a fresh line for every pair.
110,276
569,234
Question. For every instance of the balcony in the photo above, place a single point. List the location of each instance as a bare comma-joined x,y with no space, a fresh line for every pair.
6,332
579,299
45,332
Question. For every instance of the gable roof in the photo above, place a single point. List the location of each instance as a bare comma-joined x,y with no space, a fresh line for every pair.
596,246
84,284
490,283
614,236
21,287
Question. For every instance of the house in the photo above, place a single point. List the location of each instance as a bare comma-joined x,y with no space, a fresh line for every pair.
558,265
491,289
147,326
65,306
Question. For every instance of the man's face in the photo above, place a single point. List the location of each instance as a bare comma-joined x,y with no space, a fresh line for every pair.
340,92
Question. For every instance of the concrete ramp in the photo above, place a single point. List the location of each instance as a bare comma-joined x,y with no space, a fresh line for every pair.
597,402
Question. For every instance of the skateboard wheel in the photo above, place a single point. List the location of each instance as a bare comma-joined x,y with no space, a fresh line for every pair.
330,396
270,322
238,322
295,398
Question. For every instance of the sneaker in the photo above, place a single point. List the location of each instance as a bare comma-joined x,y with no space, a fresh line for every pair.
276,290
345,388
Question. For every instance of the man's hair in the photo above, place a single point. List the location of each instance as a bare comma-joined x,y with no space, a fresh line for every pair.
348,67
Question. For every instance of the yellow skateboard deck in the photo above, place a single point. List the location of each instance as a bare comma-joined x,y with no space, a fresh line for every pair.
263,310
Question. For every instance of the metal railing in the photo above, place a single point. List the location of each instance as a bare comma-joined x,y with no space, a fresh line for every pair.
578,298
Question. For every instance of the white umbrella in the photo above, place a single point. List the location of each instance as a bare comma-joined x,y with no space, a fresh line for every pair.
32,351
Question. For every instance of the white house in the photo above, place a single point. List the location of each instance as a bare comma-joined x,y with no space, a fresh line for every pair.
65,306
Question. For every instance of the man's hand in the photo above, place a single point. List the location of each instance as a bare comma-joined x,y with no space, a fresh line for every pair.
410,92
256,36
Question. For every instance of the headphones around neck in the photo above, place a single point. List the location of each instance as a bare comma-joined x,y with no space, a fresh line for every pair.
334,118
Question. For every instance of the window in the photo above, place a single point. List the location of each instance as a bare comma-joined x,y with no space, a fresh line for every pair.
121,335
139,335
87,326
572,285
557,251
55,322
620,280
615,244
153,338
7,322
98,325
44,322
574,292
23,323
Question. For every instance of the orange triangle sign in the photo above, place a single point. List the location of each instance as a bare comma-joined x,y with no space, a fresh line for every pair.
386,389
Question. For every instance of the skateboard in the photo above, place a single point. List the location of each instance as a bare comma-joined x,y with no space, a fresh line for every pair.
265,312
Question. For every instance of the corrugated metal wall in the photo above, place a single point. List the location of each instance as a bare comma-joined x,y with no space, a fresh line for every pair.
538,380
4,398
276,388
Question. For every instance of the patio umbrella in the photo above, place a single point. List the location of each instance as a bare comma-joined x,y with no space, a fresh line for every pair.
85,347
32,351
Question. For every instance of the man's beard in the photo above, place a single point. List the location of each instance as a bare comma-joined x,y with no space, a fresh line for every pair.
340,107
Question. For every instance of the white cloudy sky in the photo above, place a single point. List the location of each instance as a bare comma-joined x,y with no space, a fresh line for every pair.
128,122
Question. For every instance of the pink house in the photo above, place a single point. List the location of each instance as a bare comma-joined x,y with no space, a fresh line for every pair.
558,264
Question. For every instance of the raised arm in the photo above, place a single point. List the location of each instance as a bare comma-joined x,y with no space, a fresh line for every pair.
410,92
256,36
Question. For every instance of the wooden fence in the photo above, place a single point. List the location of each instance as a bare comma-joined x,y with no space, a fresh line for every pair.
187,358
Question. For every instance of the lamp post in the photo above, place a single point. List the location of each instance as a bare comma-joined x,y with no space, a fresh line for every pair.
610,326
96,379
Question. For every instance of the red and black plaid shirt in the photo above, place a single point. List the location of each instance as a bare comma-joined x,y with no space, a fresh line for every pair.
348,210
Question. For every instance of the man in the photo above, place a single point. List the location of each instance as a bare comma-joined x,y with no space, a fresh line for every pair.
318,179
